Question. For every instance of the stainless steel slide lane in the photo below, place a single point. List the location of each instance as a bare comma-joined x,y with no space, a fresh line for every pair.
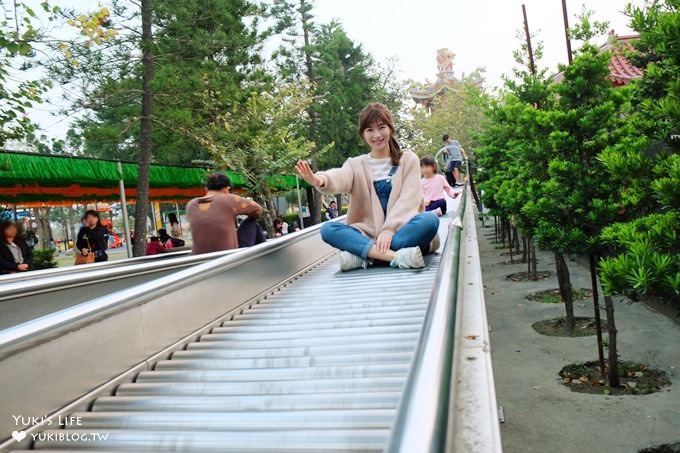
318,366
28,296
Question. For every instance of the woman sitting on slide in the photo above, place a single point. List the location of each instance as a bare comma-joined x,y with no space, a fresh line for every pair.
385,220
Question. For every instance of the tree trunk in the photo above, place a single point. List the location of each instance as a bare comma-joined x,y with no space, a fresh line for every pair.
42,219
317,204
598,318
564,281
314,200
338,201
516,233
269,213
495,228
510,244
613,360
146,128
533,260
473,190
525,252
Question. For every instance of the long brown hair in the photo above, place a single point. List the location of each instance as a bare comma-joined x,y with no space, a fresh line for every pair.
376,113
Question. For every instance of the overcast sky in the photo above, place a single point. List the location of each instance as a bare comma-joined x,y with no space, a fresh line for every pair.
481,33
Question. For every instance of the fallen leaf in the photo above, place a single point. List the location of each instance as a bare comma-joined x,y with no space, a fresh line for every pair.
471,337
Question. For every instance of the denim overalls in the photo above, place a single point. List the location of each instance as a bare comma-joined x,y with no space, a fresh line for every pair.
419,231
383,188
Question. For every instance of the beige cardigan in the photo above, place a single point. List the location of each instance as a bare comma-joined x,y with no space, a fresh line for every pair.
365,212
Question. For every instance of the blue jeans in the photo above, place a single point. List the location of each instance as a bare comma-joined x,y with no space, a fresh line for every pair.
418,232
434,204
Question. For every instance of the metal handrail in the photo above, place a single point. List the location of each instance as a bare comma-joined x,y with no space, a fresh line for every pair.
85,276
24,335
422,417
59,271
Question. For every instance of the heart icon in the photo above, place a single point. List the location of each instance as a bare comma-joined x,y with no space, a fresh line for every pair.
18,435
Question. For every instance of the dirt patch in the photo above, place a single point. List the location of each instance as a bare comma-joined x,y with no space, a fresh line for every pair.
524,276
514,254
636,379
552,296
557,327
665,448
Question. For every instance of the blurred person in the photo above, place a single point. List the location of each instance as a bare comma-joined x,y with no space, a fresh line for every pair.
154,246
212,218
93,237
280,227
332,210
15,253
175,229
453,157
169,241
434,186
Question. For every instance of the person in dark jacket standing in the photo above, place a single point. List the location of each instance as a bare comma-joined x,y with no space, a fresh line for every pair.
93,237
15,254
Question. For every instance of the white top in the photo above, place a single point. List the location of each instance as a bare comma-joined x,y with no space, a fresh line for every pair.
380,167
16,253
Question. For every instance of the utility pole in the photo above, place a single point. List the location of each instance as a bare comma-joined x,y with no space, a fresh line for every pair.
566,29
532,65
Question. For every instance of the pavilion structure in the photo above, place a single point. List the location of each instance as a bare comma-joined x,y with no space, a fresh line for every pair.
32,180
424,93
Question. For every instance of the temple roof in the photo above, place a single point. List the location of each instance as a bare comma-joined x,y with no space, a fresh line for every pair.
621,71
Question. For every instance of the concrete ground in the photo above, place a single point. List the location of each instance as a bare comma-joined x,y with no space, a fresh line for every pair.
541,414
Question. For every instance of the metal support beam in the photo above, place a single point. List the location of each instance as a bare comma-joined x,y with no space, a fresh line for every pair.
530,50
126,220
566,30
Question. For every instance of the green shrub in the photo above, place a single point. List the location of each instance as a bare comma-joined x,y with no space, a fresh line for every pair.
648,259
44,259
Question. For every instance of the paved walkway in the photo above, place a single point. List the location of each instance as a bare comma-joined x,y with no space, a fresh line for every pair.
543,416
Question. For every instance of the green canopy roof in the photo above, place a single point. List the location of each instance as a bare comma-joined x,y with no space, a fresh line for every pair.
31,177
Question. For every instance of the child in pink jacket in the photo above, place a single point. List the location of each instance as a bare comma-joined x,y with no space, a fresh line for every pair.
434,185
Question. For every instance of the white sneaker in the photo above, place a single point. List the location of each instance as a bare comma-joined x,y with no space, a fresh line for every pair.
409,258
349,262
438,211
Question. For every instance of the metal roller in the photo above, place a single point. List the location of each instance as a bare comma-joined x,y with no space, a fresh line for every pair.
281,441
324,340
353,400
212,348
242,320
237,421
387,384
282,362
239,375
